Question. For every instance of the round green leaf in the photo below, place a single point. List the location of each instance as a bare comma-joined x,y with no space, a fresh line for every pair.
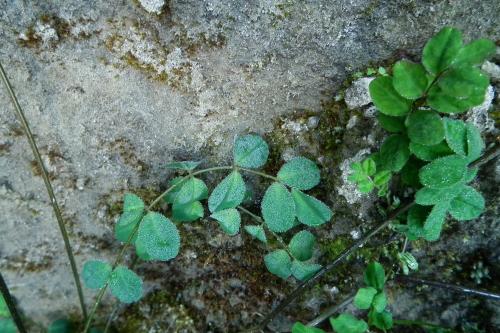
391,124
133,209
462,82
444,172
304,271
468,205
456,135
300,173
302,245
60,326
394,153
440,51
430,153
188,212
250,151
435,220
170,196
228,194
380,302
425,128
410,79
374,276
301,328
346,323
364,298
475,53
125,285
193,189
386,98
159,237
442,102
278,208
257,231
309,210
229,220
382,320
430,196
183,165
279,263
95,273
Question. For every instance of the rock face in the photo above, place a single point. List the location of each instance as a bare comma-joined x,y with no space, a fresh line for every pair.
114,91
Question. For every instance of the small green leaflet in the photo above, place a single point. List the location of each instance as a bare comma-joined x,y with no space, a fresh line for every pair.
425,128
444,172
279,263
435,220
301,328
430,196
159,237
302,245
228,194
440,51
183,165
408,262
410,79
300,173
475,143
430,153
394,153
229,220
391,124
309,210
456,135
364,298
95,273
140,250
467,205
475,53
382,320
133,209
440,101
463,82
379,302
256,231
250,151
193,189
303,270
386,98
374,276
170,196
125,285
346,323
278,208
188,212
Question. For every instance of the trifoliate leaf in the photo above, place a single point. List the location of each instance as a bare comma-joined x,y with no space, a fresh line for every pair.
391,124
300,173
475,143
386,98
7,326
382,178
435,221
444,172
188,212
125,285
415,221
430,196
346,323
278,208
374,276
463,82
442,102
279,263
440,51
380,302
410,79
394,153
475,53
170,196
256,231
228,194
95,274
430,153
364,298
304,271
357,173
183,165
302,245
309,210
382,320
133,209
159,237
193,189
456,135
425,128
60,326
301,328
229,220
468,205
250,151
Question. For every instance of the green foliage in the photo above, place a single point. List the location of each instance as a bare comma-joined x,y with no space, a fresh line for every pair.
228,194
4,310
364,297
96,273
188,212
410,79
386,98
250,151
133,209
191,190
301,328
374,276
257,232
300,173
302,245
366,176
440,51
444,172
125,285
309,210
229,220
407,262
183,165
425,128
346,323
278,208
304,270
279,263
159,237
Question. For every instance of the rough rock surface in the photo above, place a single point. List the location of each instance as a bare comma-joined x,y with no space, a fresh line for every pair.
115,90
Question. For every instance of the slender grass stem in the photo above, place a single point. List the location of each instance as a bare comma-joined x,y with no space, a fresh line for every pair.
48,186
9,300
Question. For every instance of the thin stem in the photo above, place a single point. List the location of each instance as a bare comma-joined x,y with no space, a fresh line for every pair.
331,311
405,322
48,186
262,174
11,305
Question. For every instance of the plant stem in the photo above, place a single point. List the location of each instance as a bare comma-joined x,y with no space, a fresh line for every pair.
48,186
11,305
331,311
262,174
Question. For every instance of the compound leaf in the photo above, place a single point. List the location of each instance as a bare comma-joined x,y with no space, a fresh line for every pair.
410,79
440,51
250,151
467,205
228,194
463,82
309,210
187,212
430,153
257,231
374,276
125,285
279,263
159,237
278,208
394,153
300,173
183,165
444,172
95,273
133,209
346,323
475,53
304,271
386,98
229,220
425,128
302,245
364,298
301,328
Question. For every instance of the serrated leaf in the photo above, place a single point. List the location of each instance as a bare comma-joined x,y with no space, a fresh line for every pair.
444,172
193,189
250,151
456,135
430,153
475,53
300,173
229,220
228,194
386,98
279,263
133,209
425,128
382,320
170,196
256,231
374,276
463,82
391,124
60,326
440,51
467,205
309,210
415,221
430,196
278,208
301,328
159,237
125,285
410,79
435,220
183,165
302,245
382,178
304,271
188,212
475,143
380,302
394,153
95,273
364,297
442,102
346,323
